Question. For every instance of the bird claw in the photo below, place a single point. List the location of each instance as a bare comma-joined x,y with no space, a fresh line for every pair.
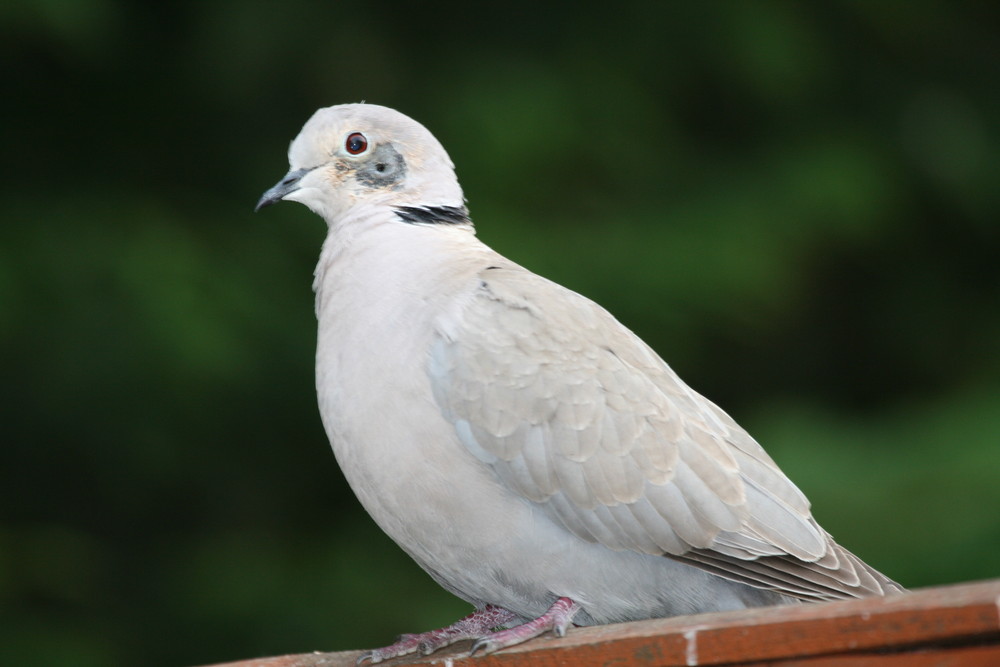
404,645
377,655
471,627
482,644
367,656
557,619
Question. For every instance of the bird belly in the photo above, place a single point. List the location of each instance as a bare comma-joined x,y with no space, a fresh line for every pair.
473,535
448,509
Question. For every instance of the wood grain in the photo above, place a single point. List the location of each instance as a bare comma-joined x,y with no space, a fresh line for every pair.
950,626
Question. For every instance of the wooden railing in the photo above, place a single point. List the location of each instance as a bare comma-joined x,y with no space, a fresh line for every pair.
951,626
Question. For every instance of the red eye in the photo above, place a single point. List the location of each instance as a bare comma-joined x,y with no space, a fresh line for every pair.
356,143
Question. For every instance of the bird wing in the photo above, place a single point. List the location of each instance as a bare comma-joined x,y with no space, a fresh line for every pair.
574,412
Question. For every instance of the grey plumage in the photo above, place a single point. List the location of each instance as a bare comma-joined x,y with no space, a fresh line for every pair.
514,438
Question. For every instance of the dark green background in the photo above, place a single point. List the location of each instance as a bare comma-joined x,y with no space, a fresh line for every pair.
795,203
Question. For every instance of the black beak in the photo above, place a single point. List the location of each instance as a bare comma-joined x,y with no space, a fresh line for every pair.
287,185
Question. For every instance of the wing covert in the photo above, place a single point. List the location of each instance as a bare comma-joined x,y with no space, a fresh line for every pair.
575,413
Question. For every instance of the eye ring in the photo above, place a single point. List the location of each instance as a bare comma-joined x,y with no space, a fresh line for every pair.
356,143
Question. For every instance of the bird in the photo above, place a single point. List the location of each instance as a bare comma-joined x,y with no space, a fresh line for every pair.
533,455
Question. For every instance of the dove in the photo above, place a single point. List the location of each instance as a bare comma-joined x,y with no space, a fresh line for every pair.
528,451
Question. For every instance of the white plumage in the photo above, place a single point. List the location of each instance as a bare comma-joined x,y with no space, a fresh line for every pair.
515,439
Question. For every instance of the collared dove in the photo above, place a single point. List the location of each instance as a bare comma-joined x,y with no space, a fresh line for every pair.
526,449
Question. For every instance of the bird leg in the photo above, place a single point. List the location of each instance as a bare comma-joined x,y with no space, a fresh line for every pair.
477,624
557,619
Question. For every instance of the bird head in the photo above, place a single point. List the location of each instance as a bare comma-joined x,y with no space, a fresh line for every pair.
353,156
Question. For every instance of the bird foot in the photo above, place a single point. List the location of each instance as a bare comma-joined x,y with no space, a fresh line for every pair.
475,625
557,619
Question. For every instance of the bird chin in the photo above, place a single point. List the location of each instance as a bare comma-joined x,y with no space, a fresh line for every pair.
308,197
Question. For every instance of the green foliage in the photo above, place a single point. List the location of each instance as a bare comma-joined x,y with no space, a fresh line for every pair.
796,204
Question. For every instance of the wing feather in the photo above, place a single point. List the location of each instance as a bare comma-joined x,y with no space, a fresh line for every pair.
576,414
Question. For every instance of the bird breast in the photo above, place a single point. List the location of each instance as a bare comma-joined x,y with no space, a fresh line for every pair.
381,294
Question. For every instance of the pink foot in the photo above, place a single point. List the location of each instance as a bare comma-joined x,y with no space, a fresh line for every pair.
478,623
557,619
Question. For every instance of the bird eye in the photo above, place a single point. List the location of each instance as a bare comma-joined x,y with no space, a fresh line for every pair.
356,143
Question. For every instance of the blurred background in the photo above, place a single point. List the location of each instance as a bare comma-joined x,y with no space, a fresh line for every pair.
795,204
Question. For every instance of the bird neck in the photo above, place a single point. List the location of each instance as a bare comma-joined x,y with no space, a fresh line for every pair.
376,253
